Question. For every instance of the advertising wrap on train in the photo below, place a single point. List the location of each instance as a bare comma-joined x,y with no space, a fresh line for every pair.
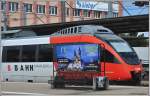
77,57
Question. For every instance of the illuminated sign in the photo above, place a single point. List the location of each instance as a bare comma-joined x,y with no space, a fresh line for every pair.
91,5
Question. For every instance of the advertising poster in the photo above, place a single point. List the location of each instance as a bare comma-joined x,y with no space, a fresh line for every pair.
94,5
80,57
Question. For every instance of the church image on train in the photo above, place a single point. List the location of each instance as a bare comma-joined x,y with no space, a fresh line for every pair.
76,64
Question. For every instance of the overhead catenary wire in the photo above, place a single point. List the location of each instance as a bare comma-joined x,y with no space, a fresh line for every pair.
124,8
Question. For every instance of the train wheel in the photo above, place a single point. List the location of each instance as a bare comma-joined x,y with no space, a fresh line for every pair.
58,82
100,84
62,85
95,84
136,83
53,85
106,84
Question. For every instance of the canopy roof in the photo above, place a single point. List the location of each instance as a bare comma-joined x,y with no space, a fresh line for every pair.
126,24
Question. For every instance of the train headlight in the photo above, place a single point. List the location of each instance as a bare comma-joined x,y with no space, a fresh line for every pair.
137,70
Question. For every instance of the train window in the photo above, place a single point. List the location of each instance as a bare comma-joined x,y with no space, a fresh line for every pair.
4,54
108,57
37,53
28,53
11,54
45,53
102,30
121,46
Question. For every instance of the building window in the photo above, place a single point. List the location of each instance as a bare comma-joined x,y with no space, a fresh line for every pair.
3,5
67,11
104,15
76,12
13,6
97,14
41,9
27,7
86,13
2,28
52,10
115,14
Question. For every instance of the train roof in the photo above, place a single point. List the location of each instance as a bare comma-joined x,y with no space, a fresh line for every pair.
35,40
83,29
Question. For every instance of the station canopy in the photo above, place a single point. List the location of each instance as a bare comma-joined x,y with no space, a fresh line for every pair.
126,24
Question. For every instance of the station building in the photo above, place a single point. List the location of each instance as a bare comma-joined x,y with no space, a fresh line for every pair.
33,12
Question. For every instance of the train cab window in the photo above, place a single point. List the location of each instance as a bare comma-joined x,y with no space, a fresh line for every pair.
11,54
108,57
28,53
45,53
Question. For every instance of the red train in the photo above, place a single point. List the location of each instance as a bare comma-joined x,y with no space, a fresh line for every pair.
115,59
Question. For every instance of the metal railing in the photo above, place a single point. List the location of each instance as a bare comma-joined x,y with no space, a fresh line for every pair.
145,61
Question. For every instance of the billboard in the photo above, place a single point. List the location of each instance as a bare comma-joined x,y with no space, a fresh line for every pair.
79,57
94,5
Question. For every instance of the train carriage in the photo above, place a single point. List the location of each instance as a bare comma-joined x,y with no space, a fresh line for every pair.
118,59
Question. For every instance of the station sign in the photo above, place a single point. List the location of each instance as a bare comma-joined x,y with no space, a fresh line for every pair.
93,5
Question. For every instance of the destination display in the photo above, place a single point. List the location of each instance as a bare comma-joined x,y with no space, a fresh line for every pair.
80,57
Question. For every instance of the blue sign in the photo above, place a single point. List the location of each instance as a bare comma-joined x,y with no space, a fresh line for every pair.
80,57
85,5
95,5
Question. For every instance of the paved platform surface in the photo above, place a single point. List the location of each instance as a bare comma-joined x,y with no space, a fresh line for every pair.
43,89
